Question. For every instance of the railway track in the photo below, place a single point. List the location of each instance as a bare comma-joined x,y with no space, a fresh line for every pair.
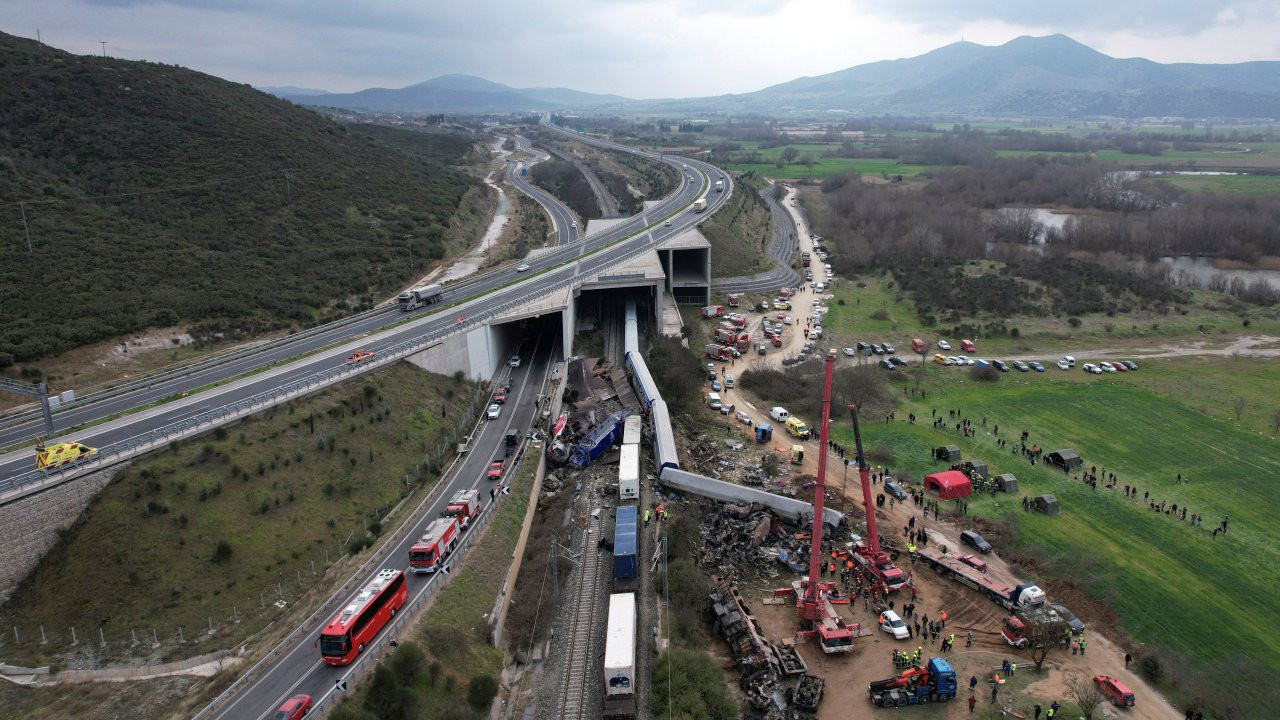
577,698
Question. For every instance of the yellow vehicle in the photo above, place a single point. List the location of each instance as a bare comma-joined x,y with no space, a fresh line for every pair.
782,304
796,428
59,454
939,358
797,454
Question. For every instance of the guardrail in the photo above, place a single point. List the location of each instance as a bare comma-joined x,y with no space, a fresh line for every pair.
145,442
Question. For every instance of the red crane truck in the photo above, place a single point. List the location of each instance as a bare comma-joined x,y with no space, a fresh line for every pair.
869,557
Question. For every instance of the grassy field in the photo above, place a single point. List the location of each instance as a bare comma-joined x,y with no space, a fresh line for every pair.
455,629
740,233
227,524
826,167
1263,157
1171,585
1244,184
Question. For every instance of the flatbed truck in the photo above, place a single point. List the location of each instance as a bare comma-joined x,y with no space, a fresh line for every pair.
1022,596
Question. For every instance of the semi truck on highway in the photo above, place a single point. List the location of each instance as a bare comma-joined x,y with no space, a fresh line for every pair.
1021,596
699,205
420,297
719,186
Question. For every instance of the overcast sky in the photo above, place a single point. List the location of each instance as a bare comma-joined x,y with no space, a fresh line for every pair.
637,48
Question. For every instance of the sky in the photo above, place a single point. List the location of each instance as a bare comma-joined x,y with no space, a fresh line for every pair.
635,48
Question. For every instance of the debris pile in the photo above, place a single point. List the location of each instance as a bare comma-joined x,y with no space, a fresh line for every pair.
739,538
808,693
757,658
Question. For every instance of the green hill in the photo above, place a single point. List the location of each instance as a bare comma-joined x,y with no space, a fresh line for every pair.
151,195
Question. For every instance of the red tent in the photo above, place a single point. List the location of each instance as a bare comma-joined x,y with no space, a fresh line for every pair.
948,485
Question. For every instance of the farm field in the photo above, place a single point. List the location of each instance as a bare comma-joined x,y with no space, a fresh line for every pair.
218,529
826,167
1173,586
1244,184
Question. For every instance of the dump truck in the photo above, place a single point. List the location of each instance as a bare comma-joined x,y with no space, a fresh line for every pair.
699,205
1021,595
796,428
916,685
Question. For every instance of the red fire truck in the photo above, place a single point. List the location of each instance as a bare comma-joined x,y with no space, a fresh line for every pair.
428,554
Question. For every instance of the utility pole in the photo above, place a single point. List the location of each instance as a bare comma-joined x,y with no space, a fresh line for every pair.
104,47
22,207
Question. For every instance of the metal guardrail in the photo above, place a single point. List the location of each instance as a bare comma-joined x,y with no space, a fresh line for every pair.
124,449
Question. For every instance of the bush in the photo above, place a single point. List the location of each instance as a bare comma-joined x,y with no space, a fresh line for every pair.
481,691
1073,322
408,662
221,552
984,373
880,314
687,684
882,454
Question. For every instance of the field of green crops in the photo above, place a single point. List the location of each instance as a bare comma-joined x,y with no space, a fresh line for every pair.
1172,585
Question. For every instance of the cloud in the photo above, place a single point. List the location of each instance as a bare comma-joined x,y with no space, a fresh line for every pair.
637,48
1133,16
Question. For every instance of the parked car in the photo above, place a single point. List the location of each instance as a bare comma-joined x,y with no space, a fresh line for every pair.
964,360
1068,361
493,412
496,469
877,349
1021,366
897,361
1073,622
761,349
982,363
864,347
917,346
894,489
944,345
999,365
892,624
1120,366
295,708
1036,366
887,365
1092,369
1115,691
888,349
743,418
1106,367
715,386
968,346
940,359
974,562
849,352
1130,364
975,541
711,371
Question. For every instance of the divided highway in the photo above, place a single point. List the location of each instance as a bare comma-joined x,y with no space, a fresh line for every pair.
582,257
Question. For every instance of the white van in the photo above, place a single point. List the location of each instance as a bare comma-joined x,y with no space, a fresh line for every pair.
728,381
779,414
713,399
820,288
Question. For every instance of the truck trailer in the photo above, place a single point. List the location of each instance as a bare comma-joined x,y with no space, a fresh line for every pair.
420,297
625,564
1020,596
699,205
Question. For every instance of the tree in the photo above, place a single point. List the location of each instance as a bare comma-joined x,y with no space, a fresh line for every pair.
808,161
1045,632
687,684
408,662
788,154
863,387
1084,691
481,691
1238,404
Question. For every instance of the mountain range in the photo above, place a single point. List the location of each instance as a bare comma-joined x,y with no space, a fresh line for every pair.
1049,76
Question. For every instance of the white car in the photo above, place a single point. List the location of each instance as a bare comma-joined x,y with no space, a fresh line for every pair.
1107,367
1068,360
892,624
667,223
944,345
849,352
1092,369
1062,364
514,361
952,360
522,267
493,412
786,320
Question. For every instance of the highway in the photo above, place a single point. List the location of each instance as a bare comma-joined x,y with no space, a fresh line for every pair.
577,257
295,666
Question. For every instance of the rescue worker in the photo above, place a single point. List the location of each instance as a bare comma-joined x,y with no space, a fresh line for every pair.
646,516
968,641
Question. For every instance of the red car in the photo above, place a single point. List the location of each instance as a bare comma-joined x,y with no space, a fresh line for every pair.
968,346
500,395
1116,691
917,345
293,708
495,469
359,356
974,562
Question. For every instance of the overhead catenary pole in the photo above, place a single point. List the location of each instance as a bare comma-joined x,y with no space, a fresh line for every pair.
873,535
